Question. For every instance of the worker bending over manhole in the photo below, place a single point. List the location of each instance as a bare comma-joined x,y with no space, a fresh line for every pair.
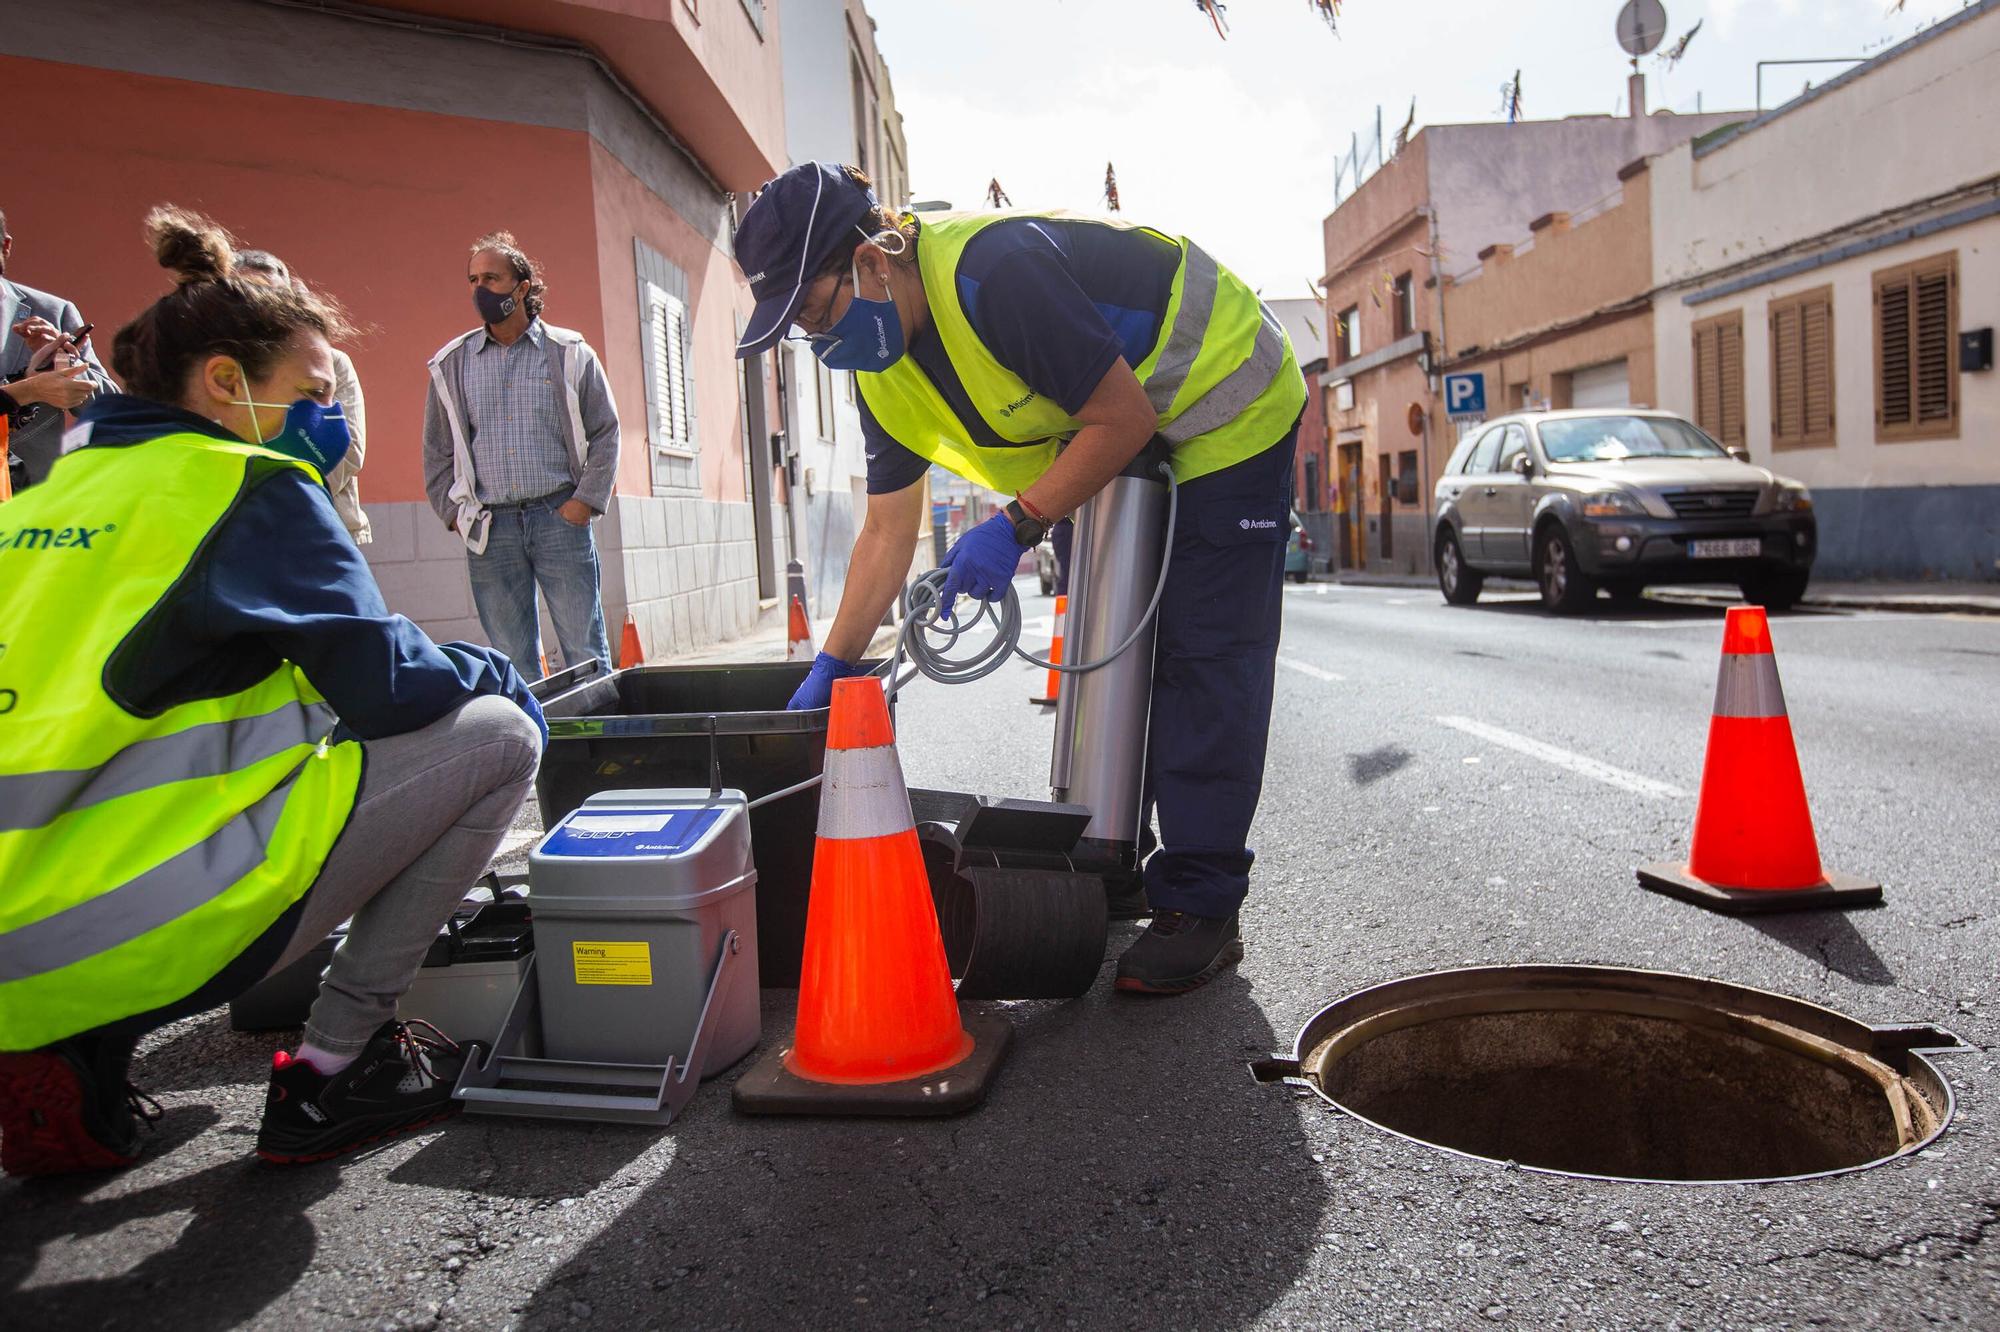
1038,356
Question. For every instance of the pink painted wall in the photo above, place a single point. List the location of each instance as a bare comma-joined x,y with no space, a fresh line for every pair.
625,208
376,206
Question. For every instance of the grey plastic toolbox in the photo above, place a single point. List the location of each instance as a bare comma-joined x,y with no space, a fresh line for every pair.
645,978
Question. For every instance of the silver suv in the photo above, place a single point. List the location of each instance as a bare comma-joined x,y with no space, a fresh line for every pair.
1580,500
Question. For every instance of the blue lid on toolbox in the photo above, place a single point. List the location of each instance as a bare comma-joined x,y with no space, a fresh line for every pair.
629,832
643,851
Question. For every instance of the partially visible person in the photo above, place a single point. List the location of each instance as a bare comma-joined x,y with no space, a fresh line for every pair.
520,452
37,333
218,743
344,482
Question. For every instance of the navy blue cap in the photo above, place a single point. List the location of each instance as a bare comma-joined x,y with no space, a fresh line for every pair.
796,223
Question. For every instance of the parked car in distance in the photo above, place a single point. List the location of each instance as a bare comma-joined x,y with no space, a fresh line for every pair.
1298,551
1616,499
1045,567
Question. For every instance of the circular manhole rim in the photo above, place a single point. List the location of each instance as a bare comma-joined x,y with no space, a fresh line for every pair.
1916,1041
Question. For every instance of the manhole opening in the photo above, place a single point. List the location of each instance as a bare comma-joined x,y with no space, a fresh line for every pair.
1669,1078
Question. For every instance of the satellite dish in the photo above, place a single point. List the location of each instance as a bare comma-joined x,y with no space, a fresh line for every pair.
1642,25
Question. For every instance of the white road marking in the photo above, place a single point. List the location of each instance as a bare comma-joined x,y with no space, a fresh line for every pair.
1307,668
1563,758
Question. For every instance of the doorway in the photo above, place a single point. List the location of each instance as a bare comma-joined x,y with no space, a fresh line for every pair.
1387,481
1348,505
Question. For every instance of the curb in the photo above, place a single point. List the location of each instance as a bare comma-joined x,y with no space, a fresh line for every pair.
1908,605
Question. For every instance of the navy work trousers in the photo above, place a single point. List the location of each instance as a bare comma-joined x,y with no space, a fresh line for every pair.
1213,670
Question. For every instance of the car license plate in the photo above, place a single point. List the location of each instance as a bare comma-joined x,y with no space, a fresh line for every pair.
1736,548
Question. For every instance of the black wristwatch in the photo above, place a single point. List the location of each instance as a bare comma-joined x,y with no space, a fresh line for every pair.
1028,530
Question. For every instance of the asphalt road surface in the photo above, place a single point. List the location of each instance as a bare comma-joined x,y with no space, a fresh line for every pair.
1445,788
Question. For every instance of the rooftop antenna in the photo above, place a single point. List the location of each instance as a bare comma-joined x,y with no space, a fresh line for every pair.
1642,26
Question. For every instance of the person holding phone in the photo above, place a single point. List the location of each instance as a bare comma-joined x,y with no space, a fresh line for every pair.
47,367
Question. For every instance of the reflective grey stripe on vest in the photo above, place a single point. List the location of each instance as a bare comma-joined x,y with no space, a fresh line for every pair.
1241,387
1748,686
162,894
214,749
1199,280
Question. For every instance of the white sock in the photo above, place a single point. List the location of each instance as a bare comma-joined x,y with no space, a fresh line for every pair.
325,1062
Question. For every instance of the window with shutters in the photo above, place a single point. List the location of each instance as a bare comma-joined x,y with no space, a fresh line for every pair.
1802,370
666,333
1718,377
1916,350
667,365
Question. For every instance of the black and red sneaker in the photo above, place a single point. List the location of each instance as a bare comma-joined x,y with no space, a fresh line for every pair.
401,1080
67,1107
1179,952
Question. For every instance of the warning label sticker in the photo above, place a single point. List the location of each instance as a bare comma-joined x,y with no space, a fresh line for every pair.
613,963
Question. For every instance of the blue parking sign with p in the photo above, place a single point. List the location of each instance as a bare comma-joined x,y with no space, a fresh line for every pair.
1465,395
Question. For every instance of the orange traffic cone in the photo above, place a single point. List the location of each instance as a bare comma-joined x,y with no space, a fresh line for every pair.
878,1029
629,651
1055,652
798,634
1754,849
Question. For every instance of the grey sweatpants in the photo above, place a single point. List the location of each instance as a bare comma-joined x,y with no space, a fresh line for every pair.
432,808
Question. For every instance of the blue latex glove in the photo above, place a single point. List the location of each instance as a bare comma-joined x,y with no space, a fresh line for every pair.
817,691
981,563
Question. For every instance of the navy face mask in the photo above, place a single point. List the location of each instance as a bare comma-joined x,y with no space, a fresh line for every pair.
311,433
868,337
493,307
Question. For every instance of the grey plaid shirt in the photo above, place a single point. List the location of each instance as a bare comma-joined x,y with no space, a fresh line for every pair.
514,406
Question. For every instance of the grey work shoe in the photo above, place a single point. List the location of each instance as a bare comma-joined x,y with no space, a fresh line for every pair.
1178,953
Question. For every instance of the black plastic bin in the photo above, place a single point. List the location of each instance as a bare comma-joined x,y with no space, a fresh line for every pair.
694,726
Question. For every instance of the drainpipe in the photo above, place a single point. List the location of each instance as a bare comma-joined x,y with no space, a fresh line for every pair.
1430,380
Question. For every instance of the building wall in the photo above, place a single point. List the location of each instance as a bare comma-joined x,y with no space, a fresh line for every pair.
1544,367
710,68
1487,182
1528,317
1919,120
1564,272
348,167
1378,421
819,109
1926,508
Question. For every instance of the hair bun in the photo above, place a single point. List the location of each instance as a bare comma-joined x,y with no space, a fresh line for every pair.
190,246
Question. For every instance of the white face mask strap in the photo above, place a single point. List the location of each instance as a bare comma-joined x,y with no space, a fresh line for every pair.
251,405
877,239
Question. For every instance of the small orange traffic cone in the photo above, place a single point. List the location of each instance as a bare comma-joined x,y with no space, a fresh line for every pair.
798,634
1753,849
629,651
1055,652
878,1030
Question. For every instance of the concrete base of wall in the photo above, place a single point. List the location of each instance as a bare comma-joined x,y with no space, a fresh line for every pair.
1945,532
685,569
1409,550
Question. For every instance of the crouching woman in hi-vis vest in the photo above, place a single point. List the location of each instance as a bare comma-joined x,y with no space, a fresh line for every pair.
216,743
1037,355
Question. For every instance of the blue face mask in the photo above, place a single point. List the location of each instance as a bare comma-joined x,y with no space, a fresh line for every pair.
868,337
311,433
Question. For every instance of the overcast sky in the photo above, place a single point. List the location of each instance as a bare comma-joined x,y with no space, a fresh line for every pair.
1233,142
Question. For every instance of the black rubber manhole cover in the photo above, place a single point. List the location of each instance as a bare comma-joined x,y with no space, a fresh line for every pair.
1620,1074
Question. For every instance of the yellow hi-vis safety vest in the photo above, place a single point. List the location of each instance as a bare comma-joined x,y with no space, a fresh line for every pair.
142,847
1221,376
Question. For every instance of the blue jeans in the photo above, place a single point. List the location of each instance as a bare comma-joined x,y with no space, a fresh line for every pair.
531,546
